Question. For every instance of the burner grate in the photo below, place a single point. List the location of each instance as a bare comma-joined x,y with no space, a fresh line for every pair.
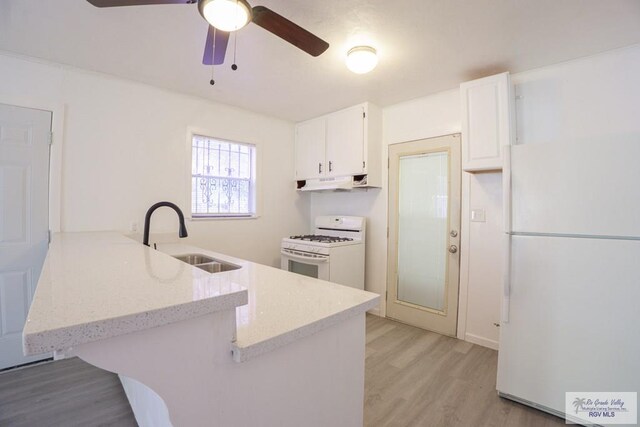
321,238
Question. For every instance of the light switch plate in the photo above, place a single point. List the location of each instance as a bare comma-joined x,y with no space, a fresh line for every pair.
478,215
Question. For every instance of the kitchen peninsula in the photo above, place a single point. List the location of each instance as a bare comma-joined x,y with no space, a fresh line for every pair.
251,346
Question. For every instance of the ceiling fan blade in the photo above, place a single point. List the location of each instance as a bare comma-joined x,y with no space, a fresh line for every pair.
222,39
116,3
287,30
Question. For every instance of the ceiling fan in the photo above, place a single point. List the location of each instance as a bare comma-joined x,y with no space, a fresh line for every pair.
225,16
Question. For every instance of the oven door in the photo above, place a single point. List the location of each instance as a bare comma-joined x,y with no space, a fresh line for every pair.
316,266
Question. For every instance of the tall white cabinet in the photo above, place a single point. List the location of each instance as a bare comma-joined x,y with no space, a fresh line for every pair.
487,122
341,144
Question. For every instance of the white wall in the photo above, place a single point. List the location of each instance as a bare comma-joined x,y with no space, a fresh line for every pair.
592,97
125,148
481,259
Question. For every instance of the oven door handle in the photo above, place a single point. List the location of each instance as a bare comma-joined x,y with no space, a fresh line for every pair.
308,260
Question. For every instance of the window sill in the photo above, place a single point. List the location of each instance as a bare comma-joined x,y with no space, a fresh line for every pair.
219,218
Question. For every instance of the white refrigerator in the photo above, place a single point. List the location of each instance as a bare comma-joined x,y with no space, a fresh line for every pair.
571,303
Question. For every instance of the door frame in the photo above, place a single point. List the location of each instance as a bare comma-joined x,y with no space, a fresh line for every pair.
460,313
57,110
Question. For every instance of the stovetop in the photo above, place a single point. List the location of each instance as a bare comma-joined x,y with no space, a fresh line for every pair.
321,238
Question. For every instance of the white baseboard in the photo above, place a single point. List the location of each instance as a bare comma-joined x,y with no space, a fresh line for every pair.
485,342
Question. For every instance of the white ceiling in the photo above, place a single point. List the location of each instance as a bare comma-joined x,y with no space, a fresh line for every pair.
425,46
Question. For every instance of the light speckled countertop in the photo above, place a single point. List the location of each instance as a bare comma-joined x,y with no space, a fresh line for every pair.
283,306
102,284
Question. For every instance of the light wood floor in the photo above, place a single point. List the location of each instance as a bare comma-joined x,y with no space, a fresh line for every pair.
420,378
413,378
65,393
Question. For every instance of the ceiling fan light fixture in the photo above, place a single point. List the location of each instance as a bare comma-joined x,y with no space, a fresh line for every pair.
362,59
226,15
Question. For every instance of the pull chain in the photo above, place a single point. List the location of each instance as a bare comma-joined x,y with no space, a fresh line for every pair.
235,41
235,49
213,57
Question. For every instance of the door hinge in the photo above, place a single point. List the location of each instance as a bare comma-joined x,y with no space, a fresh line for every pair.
388,162
49,236
386,295
387,232
364,115
50,138
364,165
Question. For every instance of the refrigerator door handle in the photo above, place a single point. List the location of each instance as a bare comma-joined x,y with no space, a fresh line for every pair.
506,188
506,280
506,215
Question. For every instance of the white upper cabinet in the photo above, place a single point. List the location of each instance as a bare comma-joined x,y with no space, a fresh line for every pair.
345,142
341,144
487,122
310,148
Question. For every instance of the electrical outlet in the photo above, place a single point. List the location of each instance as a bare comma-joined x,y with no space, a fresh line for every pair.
478,215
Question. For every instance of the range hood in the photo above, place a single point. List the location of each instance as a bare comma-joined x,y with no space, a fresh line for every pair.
342,183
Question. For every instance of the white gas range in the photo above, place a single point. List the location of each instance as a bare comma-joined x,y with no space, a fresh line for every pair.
335,252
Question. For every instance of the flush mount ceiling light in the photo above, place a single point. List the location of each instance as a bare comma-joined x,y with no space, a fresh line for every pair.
226,15
362,59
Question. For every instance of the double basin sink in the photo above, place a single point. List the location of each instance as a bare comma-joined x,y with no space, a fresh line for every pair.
207,263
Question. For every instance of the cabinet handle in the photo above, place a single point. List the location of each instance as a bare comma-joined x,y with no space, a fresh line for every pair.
330,166
319,167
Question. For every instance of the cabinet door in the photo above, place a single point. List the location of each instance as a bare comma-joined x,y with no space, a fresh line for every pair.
345,142
310,149
486,122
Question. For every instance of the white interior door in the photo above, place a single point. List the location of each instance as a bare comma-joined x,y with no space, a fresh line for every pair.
24,220
424,224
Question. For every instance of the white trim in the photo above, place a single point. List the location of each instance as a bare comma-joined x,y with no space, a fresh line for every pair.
55,161
475,339
382,307
220,217
465,245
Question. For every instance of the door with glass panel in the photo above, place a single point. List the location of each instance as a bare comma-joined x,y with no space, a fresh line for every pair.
424,227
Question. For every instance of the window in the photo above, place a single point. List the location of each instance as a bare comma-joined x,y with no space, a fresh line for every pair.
222,178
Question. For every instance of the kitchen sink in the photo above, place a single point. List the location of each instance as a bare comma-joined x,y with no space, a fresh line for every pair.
207,263
217,267
194,259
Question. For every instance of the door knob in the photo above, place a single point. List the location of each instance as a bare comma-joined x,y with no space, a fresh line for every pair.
453,249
